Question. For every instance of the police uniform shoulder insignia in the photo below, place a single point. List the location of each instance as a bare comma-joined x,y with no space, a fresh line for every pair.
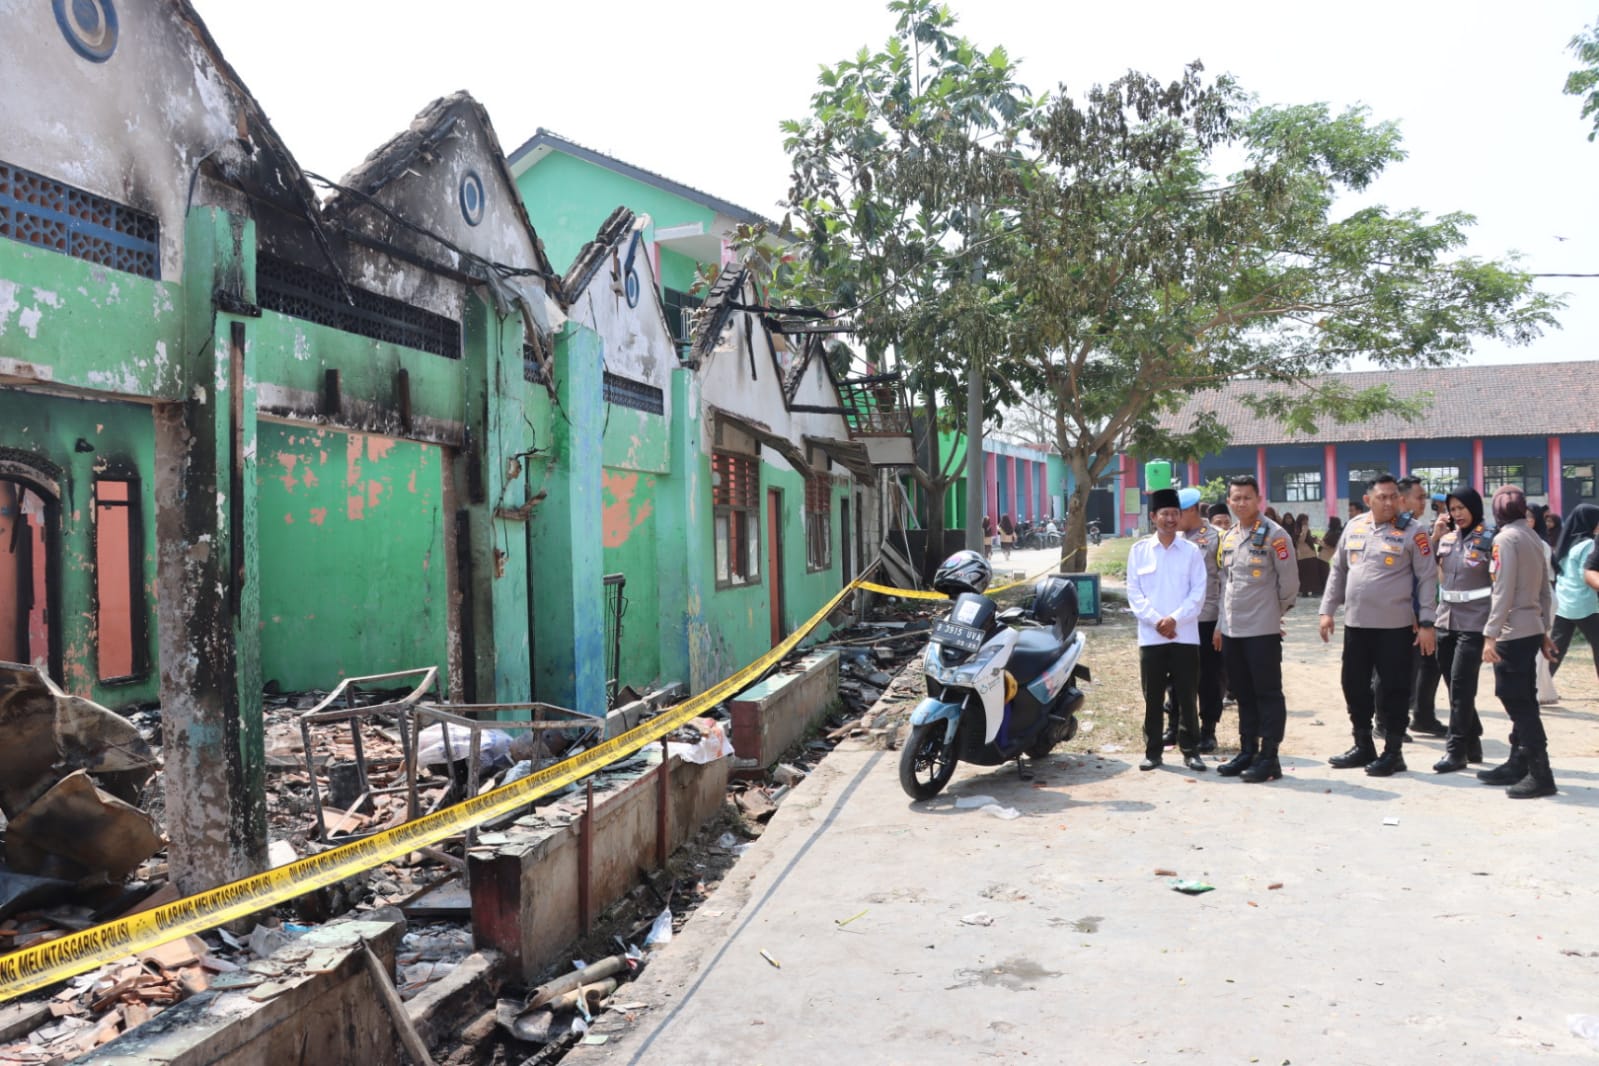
1423,545
1280,545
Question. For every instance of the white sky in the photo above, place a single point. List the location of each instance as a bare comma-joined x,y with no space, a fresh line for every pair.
696,92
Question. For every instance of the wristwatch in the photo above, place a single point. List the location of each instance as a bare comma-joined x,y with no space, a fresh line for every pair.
1425,625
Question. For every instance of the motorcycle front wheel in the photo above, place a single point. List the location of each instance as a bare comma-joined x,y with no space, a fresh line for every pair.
927,763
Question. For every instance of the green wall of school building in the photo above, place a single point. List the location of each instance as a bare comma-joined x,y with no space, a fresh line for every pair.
636,473
353,559
116,441
136,324
568,198
732,625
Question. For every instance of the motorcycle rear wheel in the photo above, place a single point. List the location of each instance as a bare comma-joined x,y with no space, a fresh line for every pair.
926,763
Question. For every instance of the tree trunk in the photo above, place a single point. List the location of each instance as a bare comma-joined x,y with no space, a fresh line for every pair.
1074,543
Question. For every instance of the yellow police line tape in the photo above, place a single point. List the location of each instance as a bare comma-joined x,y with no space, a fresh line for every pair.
56,960
923,594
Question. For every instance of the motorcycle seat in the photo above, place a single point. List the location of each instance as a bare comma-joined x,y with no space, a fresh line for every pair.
1035,650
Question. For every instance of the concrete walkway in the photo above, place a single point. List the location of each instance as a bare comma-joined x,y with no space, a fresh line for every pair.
1466,933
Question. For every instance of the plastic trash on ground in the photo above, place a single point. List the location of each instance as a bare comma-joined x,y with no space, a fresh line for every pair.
660,930
712,745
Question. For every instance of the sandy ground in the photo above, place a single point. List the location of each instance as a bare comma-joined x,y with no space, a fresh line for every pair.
1415,919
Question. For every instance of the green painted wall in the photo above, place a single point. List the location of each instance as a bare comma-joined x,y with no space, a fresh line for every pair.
353,574
92,327
117,438
294,353
731,627
637,458
566,556
568,198
353,560
678,271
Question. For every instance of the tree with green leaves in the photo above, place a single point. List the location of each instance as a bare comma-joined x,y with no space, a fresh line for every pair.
900,174
1584,81
1143,279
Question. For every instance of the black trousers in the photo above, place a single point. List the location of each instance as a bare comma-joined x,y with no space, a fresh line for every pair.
1460,662
1173,667
1425,675
1516,685
1561,635
1255,668
1389,653
1212,680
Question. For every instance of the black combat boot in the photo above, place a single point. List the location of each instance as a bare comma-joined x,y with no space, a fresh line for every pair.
1509,772
1207,738
1362,753
1390,762
1454,755
1474,749
1540,780
1429,725
1240,762
1265,767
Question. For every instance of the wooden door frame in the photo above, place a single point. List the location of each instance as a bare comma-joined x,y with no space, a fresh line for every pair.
774,562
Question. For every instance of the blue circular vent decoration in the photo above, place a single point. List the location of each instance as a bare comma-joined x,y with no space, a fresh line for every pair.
90,27
471,198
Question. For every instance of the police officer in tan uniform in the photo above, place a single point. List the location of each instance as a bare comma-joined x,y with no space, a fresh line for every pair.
1259,583
1520,612
1463,548
1207,538
1384,576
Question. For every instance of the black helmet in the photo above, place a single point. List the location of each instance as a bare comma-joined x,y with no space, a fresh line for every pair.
1055,602
965,571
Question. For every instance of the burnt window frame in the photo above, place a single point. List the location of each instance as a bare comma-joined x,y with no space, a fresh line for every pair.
138,608
736,498
818,522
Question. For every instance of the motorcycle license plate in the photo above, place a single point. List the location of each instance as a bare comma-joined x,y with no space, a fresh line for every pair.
955,635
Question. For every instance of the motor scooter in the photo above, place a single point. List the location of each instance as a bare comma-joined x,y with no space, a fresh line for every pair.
1000,685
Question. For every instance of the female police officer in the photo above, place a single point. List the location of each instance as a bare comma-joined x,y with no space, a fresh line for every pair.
1519,612
1465,586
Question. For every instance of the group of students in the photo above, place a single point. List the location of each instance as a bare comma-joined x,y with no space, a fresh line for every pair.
1007,534
1457,592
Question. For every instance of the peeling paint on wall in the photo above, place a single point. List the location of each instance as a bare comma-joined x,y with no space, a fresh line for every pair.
619,519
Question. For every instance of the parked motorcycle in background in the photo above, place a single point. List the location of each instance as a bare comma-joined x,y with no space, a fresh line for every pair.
1000,684
1093,531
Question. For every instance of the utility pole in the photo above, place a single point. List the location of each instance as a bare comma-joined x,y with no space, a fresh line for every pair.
975,495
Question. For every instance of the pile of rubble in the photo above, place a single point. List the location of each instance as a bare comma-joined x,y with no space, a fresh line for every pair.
99,1006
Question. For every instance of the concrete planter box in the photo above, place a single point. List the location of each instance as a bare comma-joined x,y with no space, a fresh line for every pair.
527,894
769,718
